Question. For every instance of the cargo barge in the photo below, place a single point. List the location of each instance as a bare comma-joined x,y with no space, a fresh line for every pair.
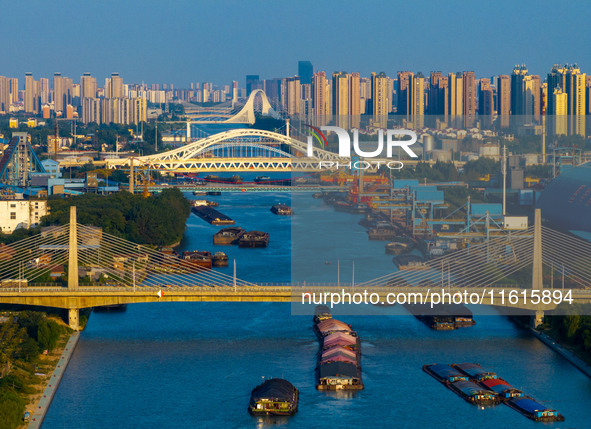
197,259
200,203
459,383
475,371
228,236
339,355
444,373
281,209
217,179
508,394
274,397
442,317
212,216
254,239
533,410
220,259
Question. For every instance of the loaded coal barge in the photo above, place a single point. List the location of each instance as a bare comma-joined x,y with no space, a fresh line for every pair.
254,239
212,216
228,236
274,397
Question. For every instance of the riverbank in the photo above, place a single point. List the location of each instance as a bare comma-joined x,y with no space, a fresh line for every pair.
41,402
563,351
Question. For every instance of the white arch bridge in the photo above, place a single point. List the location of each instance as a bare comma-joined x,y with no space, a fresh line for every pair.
241,150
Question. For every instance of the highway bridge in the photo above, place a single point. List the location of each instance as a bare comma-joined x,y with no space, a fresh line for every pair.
139,273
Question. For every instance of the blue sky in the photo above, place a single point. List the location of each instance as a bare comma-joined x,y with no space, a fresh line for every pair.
182,41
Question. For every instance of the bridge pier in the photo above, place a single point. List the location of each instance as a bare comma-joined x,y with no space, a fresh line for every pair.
537,319
74,319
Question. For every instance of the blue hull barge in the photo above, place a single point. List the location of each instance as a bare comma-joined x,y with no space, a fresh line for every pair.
531,409
459,383
444,373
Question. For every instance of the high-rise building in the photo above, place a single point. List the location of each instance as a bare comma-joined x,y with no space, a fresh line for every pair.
116,86
44,87
355,99
291,93
59,95
438,95
517,91
252,83
380,98
5,101
404,93
469,101
503,100
91,110
572,83
273,92
305,71
456,97
485,102
588,85
31,95
320,98
560,107
576,90
87,86
417,100
365,95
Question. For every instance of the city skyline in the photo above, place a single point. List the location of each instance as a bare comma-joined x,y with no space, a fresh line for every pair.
223,42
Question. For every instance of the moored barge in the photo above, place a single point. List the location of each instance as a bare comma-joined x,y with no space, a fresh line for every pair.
212,216
220,259
275,397
227,236
197,259
254,239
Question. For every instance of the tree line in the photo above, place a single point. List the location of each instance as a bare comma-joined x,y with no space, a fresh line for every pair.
157,220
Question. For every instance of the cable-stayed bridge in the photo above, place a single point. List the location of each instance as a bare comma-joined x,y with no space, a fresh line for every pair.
132,273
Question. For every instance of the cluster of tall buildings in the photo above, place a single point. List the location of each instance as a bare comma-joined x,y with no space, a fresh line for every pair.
115,102
456,100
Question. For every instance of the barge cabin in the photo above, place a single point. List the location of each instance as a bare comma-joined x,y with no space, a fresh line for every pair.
275,397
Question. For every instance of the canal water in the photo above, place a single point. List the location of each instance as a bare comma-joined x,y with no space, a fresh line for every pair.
194,364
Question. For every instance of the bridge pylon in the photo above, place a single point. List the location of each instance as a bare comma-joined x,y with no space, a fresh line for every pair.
537,282
73,313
